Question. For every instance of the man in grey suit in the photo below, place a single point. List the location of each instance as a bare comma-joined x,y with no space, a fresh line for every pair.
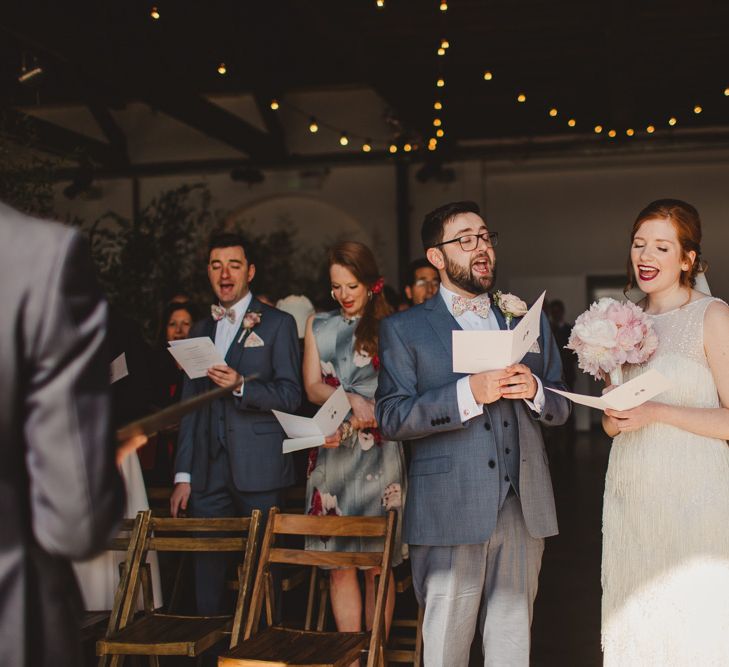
229,455
60,493
480,499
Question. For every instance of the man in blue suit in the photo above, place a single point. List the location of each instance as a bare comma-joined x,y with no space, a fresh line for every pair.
229,455
480,500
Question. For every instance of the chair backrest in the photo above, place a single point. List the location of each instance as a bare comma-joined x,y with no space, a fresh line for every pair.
323,526
126,592
230,534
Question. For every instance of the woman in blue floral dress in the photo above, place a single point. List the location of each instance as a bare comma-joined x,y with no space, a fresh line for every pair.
361,474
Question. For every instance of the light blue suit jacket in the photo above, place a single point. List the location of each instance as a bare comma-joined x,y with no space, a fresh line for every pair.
453,493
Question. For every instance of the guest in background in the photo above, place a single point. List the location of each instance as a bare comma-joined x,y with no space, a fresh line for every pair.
423,281
300,308
159,455
363,474
562,331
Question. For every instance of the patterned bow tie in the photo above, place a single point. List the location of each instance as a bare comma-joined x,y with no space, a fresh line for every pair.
218,313
479,305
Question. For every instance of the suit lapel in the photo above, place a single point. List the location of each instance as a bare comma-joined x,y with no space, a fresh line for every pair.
235,351
442,321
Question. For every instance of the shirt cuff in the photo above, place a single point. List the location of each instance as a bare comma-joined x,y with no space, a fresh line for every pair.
467,406
183,477
537,403
238,393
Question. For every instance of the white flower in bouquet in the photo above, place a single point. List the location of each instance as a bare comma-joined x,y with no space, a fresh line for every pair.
611,334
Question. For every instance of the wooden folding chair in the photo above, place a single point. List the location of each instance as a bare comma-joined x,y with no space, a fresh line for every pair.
95,622
155,633
284,646
405,643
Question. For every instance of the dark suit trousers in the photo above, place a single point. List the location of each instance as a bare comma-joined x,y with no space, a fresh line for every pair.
222,499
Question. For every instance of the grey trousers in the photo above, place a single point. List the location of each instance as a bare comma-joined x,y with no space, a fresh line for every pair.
494,583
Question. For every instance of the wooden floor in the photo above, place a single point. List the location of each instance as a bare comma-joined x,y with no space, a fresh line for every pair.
566,627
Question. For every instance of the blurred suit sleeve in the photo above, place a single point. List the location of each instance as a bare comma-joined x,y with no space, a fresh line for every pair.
77,495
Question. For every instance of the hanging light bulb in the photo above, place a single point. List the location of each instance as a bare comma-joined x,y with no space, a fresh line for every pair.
274,105
440,83
440,132
521,98
380,4
344,139
571,122
698,109
672,121
222,69
393,148
438,105
650,129
598,129
437,122
367,146
630,131
443,6
154,13
487,76
407,148
445,44
313,125
553,112
441,51
612,134
726,92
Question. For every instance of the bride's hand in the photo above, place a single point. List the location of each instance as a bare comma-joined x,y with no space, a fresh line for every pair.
632,420
363,411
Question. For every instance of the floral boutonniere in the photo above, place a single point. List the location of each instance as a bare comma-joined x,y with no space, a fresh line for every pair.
250,320
511,306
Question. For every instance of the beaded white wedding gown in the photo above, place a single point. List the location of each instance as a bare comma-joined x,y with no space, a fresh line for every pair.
665,563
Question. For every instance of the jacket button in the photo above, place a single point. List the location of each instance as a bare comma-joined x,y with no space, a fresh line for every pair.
506,478
432,422
492,463
487,426
548,417
448,420
507,450
506,424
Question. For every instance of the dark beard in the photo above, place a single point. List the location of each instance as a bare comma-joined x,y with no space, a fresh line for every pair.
463,277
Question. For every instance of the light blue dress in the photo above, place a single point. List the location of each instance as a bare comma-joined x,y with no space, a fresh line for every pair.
352,479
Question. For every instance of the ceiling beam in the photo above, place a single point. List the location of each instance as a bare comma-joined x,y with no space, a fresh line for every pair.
51,138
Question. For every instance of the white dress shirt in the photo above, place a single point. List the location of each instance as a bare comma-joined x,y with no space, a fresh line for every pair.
224,335
470,321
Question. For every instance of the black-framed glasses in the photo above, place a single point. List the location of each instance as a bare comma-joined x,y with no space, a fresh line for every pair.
470,241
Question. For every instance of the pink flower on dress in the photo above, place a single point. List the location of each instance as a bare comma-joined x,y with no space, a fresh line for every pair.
324,504
392,496
368,437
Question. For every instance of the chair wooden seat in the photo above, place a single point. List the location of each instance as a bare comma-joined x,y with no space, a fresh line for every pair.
299,648
166,634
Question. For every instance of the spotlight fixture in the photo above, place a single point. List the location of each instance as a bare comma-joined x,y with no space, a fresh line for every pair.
313,126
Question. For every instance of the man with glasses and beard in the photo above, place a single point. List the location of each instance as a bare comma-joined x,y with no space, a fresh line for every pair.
480,499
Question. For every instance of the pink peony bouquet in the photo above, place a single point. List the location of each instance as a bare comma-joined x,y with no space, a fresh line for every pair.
609,335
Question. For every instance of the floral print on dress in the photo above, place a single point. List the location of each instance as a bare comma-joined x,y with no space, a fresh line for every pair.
368,437
361,358
328,374
324,504
392,497
311,463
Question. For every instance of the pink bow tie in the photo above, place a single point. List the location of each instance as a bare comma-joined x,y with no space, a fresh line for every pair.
479,305
218,313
